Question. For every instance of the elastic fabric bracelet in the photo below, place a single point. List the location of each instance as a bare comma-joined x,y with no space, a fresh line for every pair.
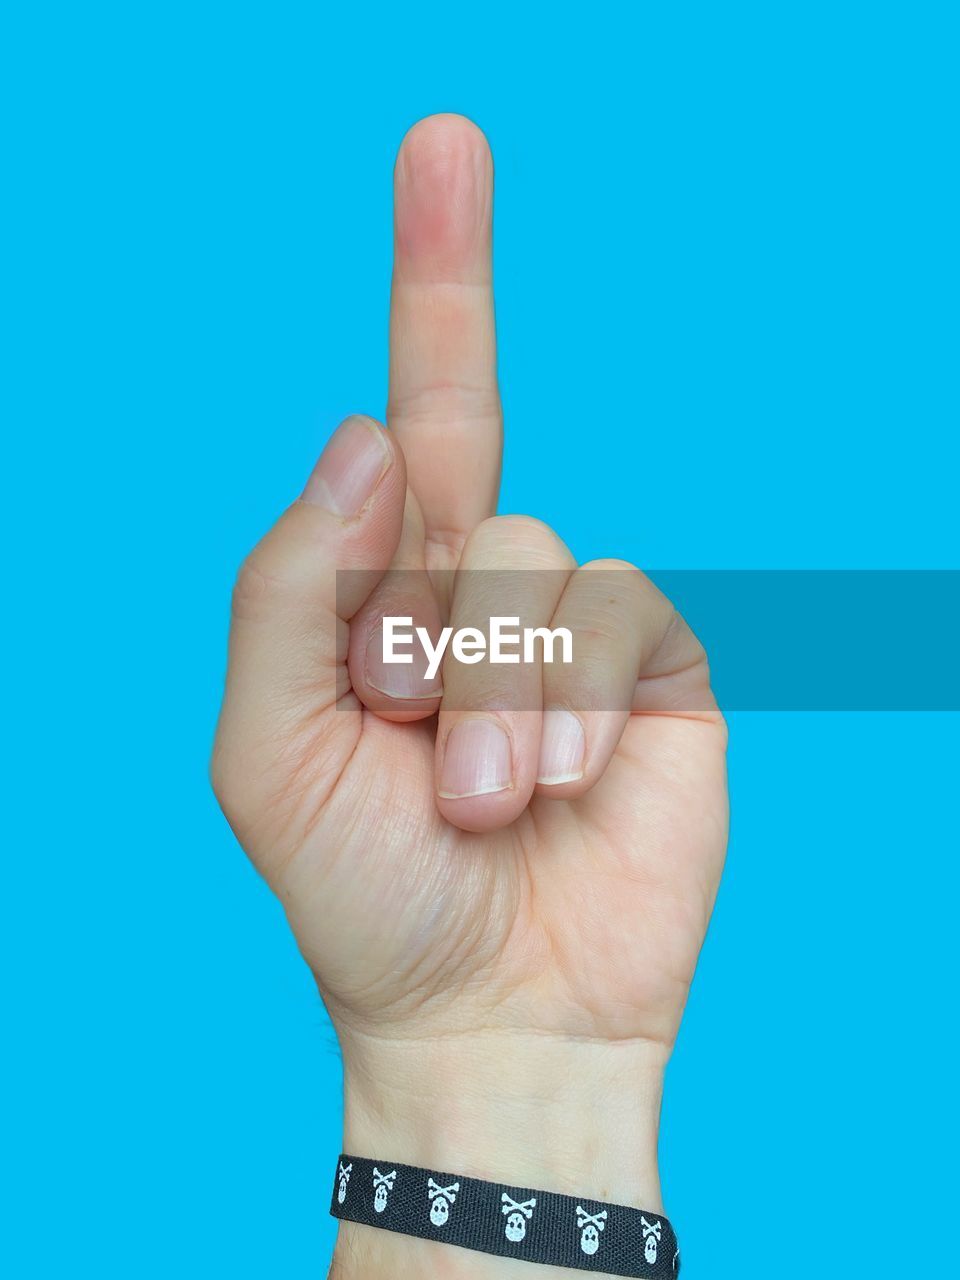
509,1221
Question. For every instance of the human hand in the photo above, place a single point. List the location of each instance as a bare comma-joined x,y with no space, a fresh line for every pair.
505,960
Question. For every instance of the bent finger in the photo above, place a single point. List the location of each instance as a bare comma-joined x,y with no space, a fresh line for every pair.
395,680
488,740
618,620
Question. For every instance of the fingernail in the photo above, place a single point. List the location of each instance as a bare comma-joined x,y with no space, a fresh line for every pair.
477,760
350,468
400,680
562,748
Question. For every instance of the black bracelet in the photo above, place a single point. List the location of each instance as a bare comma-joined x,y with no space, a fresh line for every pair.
512,1222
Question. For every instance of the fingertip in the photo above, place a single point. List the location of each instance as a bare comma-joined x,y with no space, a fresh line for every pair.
563,748
563,788
344,529
353,467
443,186
482,813
387,706
444,130
576,748
396,691
480,775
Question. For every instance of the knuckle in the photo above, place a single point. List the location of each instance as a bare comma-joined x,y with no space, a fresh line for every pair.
613,565
430,403
254,592
526,527
223,782
219,774
630,580
629,586
233,787
679,638
517,538
249,589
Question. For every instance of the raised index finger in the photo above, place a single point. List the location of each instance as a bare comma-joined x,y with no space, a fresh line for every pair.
444,404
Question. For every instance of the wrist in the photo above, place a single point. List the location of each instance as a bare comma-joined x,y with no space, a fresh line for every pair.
579,1117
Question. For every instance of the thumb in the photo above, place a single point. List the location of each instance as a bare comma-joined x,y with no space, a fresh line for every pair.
294,597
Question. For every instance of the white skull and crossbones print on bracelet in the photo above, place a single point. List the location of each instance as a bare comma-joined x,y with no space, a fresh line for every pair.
509,1221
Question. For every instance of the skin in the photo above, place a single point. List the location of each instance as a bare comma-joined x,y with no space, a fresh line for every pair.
506,970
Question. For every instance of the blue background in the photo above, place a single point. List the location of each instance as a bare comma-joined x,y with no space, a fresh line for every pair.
727,303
